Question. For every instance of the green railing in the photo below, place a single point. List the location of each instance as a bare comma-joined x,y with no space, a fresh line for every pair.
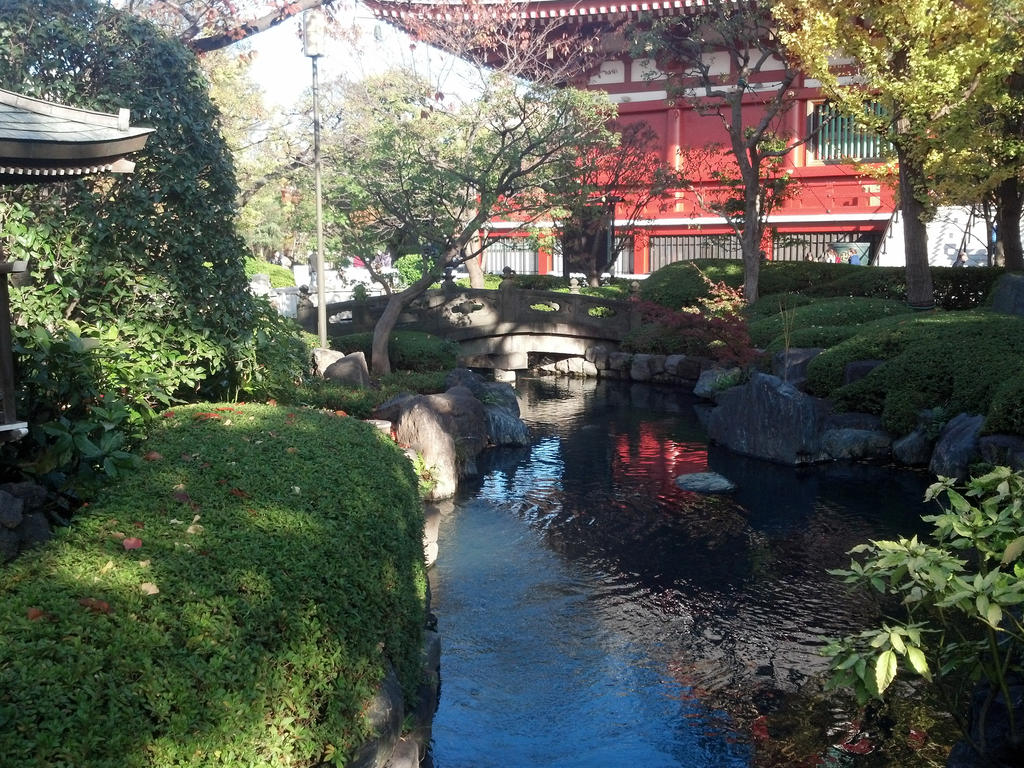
841,137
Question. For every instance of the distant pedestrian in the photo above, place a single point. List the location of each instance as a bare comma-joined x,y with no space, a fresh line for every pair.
961,259
831,256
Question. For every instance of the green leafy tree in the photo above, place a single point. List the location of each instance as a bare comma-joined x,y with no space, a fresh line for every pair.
751,100
618,181
145,270
923,62
418,171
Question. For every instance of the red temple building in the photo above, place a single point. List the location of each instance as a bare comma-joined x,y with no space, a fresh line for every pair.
837,201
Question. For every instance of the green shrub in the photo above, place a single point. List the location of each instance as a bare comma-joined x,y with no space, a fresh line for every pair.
680,284
408,350
959,361
208,611
823,312
773,303
410,267
280,277
359,402
823,336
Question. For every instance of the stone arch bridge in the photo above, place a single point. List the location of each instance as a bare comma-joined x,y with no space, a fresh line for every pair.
495,328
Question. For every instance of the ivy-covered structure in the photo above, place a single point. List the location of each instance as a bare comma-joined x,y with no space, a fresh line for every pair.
43,141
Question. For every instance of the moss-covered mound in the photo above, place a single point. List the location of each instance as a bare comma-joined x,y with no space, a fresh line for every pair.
234,602
959,361
771,331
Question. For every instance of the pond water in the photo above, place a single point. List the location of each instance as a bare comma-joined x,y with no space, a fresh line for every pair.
593,614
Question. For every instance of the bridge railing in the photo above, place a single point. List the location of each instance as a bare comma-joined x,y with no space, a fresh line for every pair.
464,314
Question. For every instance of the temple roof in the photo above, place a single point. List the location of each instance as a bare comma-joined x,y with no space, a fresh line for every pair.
42,141
534,9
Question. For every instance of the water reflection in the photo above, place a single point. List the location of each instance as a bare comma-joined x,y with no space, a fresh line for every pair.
595,614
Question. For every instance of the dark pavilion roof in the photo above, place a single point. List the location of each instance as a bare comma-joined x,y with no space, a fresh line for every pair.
44,141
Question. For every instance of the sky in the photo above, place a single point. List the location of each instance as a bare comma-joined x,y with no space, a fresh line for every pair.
284,72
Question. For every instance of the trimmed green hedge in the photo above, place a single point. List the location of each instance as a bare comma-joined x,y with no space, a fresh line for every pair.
286,548
408,350
959,361
679,285
280,277
824,312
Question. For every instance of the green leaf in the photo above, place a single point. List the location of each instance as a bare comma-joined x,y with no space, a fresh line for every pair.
1013,550
885,671
918,662
994,615
897,642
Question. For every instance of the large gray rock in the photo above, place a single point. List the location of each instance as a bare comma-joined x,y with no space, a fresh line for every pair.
714,381
11,510
1004,450
446,430
487,392
849,443
791,364
505,427
9,541
770,419
913,450
385,715
646,367
345,369
957,447
34,529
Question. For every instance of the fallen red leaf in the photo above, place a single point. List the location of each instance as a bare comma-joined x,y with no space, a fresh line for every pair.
152,456
138,524
916,739
239,493
132,543
759,728
205,416
168,414
861,746
271,402
94,605
340,413
182,496
34,614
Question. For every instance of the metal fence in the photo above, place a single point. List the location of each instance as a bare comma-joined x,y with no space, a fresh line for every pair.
666,249
520,253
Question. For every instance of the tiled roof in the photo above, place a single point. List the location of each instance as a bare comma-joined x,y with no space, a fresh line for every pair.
41,139
534,9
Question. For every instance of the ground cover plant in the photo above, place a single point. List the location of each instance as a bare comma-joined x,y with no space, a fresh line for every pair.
959,361
208,610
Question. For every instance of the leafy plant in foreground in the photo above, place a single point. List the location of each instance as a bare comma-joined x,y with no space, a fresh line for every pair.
959,601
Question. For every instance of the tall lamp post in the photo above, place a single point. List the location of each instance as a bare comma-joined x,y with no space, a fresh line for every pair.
313,28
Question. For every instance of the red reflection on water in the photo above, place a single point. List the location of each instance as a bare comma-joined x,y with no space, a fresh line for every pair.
655,458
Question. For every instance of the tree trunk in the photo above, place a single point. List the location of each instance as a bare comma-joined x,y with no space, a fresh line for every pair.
476,272
1010,204
381,362
920,292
